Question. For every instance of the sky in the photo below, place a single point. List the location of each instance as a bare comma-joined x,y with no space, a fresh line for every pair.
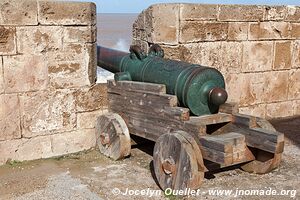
136,6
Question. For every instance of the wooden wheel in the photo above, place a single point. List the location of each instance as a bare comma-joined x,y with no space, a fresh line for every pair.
177,161
113,139
264,161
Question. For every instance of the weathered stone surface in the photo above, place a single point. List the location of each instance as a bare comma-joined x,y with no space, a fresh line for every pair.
231,57
92,65
198,11
251,87
74,141
258,110
139,23
293,13
275,13
295,30
296,106
80,34
9,117
160,30
276,86
18,12
72,67
195,31
47,112
294,84
296,54
233,87
207,54
25,73
241,13
91,98
1,76
283,55
174,52
268,30
237,31
280,109
8,40
67,13
25,149
39,39
257,56
87,120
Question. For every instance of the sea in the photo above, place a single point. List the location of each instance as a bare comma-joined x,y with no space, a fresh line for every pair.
114,31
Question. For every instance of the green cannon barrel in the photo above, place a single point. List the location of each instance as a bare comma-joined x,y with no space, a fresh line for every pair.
199,88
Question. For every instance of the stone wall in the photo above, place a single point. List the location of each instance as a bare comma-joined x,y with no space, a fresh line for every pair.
257,48
48,95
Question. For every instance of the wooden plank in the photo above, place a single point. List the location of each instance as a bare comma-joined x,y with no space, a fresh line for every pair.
143,98
212,119
225,142
244,120
270,141
226,149
230,108
138,86
179,113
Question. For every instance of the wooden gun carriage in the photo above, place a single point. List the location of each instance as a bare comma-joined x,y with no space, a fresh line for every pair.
185,146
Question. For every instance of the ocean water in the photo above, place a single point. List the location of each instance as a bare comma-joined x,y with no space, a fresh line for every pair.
113,31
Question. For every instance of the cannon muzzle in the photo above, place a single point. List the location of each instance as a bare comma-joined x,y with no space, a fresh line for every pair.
199,88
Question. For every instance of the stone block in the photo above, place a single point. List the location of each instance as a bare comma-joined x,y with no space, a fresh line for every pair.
80,34
275,13
296,107
67,13
241,13
9,117
91,98
237,31
8,44
195,31
1,76
24,73
206,54
139,23
268,30
87,120
231,57
295,30
198,11
92,64
252,88
39,39
283,55
276,86
162,23
18,12
258,110
257,56
294,84
74,141
293,13
233,84
296,54
280,109
175,52
47,112
72,67
25,149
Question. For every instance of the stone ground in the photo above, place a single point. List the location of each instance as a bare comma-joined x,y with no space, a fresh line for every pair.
89,175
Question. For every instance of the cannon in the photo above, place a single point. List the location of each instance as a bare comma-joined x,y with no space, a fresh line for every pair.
199,88
182,108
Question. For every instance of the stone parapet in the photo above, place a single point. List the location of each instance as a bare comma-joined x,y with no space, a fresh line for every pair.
49,98
256,47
